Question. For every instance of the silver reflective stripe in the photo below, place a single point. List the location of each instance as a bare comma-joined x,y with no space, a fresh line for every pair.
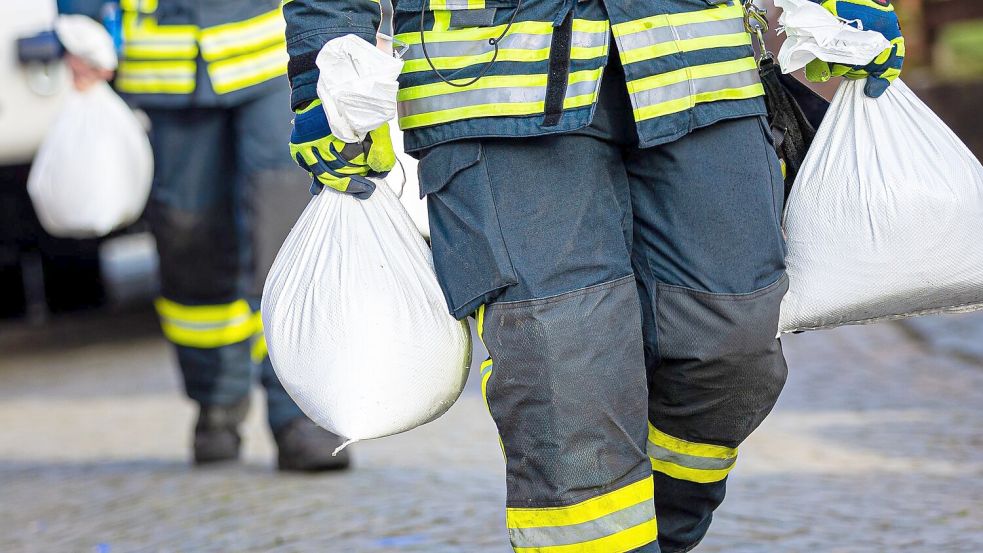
688,88
515,41
659,35
482,96
545,536
689,461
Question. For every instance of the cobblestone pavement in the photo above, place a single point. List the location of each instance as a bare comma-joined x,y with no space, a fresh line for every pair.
876,446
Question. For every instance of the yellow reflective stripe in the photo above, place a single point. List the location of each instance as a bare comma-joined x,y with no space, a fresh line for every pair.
477,33
689,73
489,109
481,322
734,10
687,45
142,6
237,38
203,313
206,326
259,351
591,509
207,337
490,81
144,39
682,104
699,476
156,77
626,540
457,4
693,453
685,447
485,33
524,55
237,73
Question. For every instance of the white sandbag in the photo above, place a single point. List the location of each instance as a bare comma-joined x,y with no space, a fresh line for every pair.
885,217
93,171
355,321
405,181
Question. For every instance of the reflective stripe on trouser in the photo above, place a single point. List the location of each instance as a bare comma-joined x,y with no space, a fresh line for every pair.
578,480
697,224
206,326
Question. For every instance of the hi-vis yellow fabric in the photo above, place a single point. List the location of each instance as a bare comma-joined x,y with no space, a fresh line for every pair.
687,64
206,326
163,58
617,521
690,461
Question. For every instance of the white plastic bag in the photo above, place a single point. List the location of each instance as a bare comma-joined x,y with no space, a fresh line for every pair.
355,321
885,218
357,86
93,171
84,37
813,32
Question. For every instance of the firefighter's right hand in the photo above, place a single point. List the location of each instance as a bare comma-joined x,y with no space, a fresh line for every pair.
331,162
84,74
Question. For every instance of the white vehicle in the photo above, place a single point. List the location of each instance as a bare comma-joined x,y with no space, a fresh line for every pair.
30,95
59,274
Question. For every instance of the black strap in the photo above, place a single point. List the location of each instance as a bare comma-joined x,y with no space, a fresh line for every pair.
559,71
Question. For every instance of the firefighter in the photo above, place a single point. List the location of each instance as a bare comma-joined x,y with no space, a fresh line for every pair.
211,78
605,198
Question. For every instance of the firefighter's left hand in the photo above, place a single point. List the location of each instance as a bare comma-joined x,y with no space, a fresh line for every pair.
331,162
873,15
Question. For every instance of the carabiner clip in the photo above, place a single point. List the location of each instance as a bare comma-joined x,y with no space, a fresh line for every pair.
756,23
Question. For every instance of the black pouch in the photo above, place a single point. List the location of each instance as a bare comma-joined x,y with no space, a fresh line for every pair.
794,114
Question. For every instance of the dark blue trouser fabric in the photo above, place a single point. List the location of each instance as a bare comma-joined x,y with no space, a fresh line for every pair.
225,195
545,231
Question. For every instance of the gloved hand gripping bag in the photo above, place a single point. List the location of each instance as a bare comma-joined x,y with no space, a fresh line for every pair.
885,218
355,322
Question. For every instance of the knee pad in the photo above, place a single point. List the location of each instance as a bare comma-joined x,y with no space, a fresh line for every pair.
721,368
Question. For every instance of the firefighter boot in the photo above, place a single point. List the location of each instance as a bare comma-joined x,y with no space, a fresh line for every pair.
303,446
217,432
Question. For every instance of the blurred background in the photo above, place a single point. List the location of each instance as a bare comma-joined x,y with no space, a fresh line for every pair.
876,444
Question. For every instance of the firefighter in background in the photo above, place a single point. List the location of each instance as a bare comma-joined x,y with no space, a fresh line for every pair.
211,77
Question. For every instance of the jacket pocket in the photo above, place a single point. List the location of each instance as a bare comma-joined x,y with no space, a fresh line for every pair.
470,256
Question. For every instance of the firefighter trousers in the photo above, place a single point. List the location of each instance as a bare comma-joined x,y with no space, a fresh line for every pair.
224,198
629,300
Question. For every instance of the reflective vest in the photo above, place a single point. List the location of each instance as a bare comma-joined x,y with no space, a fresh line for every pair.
199,51
688,64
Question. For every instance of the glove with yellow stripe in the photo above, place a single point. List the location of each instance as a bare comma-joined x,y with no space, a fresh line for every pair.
873,15
337,164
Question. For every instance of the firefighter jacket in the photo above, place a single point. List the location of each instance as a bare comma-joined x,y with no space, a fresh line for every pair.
688,63
202,53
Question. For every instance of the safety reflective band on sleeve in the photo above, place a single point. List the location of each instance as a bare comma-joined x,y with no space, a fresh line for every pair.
615,522
250,69
494,95
142,6
530,42
143,39
156,77
682,89
206,326
237,38
690,461
662,35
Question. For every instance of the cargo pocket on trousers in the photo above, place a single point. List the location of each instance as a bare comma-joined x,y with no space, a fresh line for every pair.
470,256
